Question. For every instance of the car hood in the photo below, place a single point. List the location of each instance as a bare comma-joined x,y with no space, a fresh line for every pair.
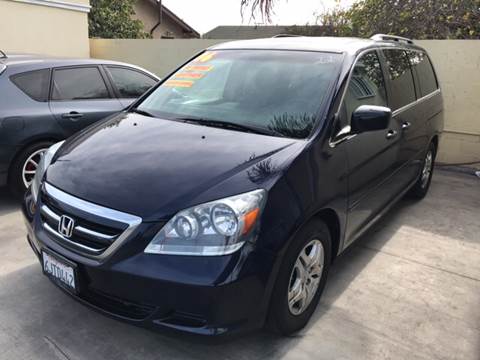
153,168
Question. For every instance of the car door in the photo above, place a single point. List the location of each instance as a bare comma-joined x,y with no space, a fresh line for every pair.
372,156
129,84
79,97
402,101
417,133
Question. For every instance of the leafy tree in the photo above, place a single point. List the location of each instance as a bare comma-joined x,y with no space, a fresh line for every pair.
112,19
418,19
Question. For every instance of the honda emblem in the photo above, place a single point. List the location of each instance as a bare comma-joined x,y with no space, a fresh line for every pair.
65,226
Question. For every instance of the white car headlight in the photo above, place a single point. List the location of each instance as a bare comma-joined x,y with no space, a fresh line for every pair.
42,167
219,227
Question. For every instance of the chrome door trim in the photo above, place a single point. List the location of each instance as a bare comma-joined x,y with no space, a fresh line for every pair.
416,102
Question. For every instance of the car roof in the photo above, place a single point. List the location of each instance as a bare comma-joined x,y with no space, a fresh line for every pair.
27,62
310,43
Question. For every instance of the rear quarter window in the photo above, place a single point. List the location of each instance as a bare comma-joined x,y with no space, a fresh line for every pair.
33,83
401,78
424,69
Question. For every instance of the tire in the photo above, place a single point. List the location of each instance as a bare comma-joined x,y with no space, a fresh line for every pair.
420,189
284,318
16,181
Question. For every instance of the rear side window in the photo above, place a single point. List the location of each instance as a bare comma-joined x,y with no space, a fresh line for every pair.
425,74
130,83
401,78
33,83
367,85
78,84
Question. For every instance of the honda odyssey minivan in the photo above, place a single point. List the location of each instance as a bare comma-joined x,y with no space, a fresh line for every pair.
218,201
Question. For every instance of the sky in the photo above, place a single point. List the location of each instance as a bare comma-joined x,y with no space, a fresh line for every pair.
204,15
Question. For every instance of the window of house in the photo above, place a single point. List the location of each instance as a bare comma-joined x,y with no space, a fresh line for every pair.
403,87
130,83
33,83
425,74
78,84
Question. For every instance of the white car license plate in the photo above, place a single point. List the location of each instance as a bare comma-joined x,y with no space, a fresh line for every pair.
59,271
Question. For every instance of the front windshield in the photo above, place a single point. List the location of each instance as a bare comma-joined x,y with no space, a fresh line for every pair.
279,92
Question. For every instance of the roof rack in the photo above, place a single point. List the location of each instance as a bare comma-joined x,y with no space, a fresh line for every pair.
3,55
385,37
285,36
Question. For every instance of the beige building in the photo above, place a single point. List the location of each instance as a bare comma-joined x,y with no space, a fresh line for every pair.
50,27
161,22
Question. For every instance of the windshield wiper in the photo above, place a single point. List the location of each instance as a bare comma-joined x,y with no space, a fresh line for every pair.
228,125
142,112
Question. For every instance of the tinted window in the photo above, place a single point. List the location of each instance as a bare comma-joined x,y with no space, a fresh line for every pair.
403,88
279,92
130,83
78,84
33,83
426,77
367,85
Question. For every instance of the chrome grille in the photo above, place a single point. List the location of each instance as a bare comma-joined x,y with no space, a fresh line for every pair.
83,238
97,230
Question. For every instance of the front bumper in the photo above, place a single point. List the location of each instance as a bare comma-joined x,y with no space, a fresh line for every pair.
211,296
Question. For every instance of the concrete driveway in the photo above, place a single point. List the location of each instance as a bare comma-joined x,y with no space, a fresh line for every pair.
409,289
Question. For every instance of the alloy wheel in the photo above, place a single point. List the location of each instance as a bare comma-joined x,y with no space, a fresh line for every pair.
427,169
30,167
305,277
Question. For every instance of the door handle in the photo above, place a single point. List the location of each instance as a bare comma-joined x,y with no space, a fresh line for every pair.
391,134
406,125
72,115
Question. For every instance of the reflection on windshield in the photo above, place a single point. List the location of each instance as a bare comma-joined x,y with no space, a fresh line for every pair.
280,91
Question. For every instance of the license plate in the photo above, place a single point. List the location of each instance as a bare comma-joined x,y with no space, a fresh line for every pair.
60,271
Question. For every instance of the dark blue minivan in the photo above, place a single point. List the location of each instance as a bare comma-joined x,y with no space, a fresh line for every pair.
218,201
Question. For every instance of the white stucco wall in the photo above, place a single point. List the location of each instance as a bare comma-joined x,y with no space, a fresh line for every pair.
45,27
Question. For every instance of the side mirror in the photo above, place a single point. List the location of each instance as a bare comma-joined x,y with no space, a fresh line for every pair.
370,118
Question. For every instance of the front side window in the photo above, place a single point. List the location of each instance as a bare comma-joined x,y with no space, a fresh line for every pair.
33,83
78,84
130,83
367,85
425,74
401,78
278,91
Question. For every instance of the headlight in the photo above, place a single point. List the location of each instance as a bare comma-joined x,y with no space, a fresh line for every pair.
216,228
42,167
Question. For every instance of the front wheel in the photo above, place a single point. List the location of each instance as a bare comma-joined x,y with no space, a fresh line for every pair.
301,279
420,189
